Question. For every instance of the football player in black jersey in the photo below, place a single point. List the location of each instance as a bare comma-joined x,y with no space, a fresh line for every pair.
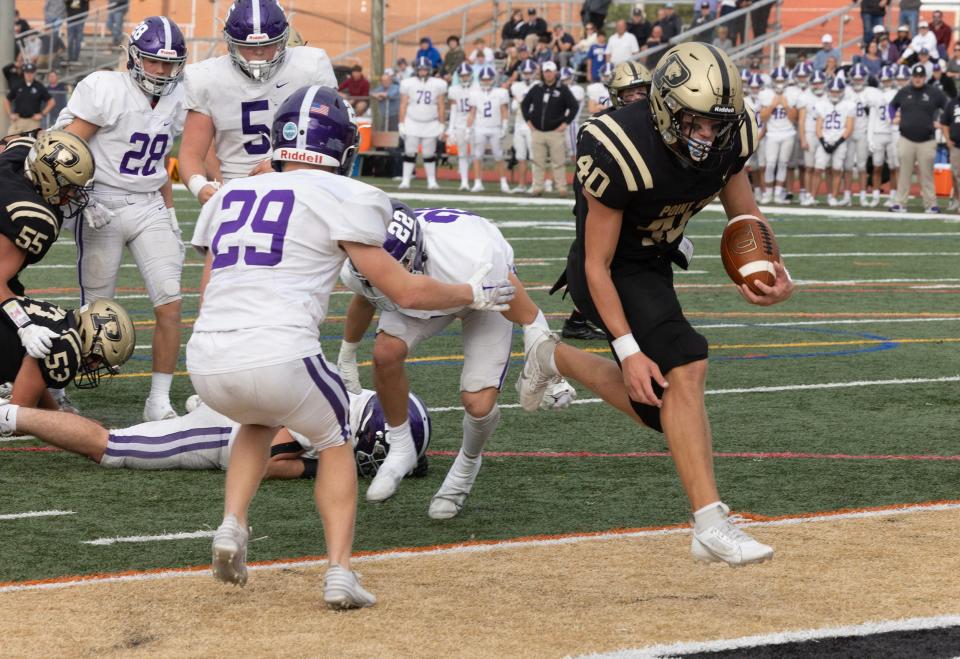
41,179
85,343
642,173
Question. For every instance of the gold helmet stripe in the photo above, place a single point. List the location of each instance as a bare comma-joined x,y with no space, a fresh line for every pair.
612,149
724,74
631,148
748,133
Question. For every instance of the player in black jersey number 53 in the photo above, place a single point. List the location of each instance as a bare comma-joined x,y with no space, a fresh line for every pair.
642,172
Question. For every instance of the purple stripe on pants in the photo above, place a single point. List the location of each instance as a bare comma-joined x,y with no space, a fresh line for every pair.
199,446
78,237
163,439
331,396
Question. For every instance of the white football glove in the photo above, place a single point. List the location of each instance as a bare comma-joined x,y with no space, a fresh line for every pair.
97,215
559,395
443,129
37,339
347,365
490,295
504,128
402,130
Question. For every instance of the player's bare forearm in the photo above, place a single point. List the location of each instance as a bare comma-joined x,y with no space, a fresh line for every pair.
602,231
82,128
403,108
212,164
359,316
11,260
198,132
29,387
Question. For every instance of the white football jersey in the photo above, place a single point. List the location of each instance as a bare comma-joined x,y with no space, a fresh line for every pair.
242,110
778,123
488,104
424,98
459,97
808,102
134,138
457,243
862,100
598,93
518,90
275,239
881,119
578,94
835,117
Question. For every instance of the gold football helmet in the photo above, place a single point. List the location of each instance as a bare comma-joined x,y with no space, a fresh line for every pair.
629,76
697,103
107,338
61,166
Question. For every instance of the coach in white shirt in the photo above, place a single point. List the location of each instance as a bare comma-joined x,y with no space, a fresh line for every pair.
622,45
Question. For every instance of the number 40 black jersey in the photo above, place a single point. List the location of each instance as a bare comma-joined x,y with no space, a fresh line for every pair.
60,367
623,162
26,219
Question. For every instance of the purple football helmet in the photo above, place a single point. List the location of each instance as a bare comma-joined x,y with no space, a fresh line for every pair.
404,242
465,72
423,64
252,24
371,446
528,69
156,38
315,126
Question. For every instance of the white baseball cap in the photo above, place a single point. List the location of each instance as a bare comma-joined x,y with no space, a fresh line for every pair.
923,24
827,38
548,66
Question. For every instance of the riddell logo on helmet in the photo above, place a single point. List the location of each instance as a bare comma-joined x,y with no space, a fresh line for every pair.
258,37
723,109
294,155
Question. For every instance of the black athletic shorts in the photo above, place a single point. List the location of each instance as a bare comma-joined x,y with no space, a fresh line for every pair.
653,313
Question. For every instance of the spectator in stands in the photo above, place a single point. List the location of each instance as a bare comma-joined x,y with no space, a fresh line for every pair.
872,13
76,17
639,26
480,50
871,59
670,23
595,11
533,28
622,45
403,70
513,72
760,19
925,39
13,73
953,67
910,14
563,43
28,103
887,51
453,58
51,50
357,89
950,126
947,85
115,16
428,50
918,104
54,11
943,33
656,39
542,53
597,57
20,25
928,62
705,16
722,41
59,92
832,69
548,109
511,29
387,94
826,51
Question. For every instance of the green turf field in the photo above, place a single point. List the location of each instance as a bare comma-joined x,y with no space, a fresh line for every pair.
875,315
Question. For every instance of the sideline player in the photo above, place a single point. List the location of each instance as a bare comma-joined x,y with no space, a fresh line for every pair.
807,125
522,137
442,243
459,98
864,99
567,78
131,120
756,166
274,247
231,99
598,96
640,180
778,113
880,135
835,116
201,438
422,114
97,338
487,124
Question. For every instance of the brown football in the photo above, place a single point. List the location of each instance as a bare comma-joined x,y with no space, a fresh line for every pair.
749,250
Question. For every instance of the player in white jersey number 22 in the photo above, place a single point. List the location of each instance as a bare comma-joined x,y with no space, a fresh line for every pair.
274,247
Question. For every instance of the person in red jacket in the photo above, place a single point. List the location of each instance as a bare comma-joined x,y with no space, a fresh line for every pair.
357,89
943,33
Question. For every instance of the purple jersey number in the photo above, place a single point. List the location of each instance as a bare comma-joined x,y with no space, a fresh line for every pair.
261,145
441,215
152,150
271,217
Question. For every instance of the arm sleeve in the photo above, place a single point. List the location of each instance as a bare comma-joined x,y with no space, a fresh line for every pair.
363,218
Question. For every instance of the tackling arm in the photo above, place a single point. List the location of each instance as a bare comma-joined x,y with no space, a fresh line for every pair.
82,128
198,133
11,260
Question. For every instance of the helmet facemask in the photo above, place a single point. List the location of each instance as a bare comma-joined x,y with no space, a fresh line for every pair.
258,70
151,83
692,149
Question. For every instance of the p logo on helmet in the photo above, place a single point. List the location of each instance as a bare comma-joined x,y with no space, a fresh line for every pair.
673,73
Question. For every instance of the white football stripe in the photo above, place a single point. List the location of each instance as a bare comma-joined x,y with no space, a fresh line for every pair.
151,538
754,267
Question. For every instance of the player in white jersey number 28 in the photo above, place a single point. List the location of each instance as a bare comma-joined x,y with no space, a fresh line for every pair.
231,99
130,121
274,245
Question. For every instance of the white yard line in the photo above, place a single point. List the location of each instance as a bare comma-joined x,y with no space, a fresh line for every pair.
37,513
184,535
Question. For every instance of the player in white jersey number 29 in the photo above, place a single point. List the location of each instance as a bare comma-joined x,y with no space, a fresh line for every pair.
274,245
130,121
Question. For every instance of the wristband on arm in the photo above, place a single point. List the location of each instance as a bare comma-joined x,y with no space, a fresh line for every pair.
625,346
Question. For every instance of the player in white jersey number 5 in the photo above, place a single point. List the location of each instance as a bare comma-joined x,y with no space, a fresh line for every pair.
231,99
275,245
130,120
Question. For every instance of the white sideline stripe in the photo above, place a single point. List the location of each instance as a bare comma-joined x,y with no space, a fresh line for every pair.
482,549
37,513
780,638
184,535
16,438
935,234
849,321
757,390
532,260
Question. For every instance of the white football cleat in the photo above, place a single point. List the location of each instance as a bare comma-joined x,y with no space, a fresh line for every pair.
464,186
535,375
845,200
504,186
477,186
342,589
433,185
400,461
520,189
832,201
548,185
158,410
727,543
558,395
8,418
404,185
767,196
192,403
230,552
863,199
449,499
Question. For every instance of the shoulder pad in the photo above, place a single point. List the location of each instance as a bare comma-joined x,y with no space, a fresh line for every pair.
748,133
611,142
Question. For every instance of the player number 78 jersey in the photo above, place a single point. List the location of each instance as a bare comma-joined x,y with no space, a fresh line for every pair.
424,98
